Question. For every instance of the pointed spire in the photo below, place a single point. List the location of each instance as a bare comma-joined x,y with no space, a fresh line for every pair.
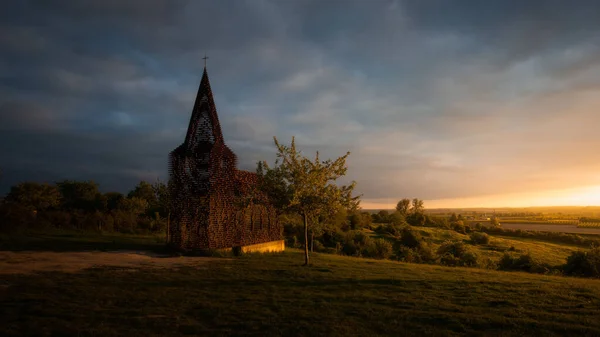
204,123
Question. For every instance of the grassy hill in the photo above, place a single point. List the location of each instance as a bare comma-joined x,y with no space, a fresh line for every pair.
553,254
273,295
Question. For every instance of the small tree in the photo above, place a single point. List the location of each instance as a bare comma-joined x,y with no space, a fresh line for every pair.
163,203
82,195
417,206
145,191
300,185
403,206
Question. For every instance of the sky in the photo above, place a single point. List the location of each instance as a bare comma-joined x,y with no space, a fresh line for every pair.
459,103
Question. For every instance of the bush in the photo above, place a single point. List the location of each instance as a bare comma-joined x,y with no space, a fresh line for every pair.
318,246
390,228
406,254
582,263
487,263
456,253
410,238
378,249
478,238
416,219
524,262
459,227
354,243
426,254
440,222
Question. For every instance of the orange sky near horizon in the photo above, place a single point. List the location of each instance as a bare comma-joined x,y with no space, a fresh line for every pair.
584,196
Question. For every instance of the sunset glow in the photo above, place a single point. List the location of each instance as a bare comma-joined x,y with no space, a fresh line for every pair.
586,196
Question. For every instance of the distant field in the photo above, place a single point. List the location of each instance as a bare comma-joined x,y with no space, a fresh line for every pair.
553,254
550,228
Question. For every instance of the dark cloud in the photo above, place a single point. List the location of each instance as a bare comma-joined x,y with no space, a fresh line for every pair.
431,97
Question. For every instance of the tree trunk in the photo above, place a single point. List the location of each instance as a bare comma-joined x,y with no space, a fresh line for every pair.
312,242
306,259
168,225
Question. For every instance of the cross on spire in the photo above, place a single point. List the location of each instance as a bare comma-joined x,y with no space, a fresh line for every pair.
205,58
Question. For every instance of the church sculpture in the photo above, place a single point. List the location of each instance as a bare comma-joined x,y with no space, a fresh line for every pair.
213,203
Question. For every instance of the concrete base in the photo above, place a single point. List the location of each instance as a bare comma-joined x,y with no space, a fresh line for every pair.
272,246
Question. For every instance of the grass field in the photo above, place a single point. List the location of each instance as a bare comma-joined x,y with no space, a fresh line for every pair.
63,241
273,295
551,228
553,254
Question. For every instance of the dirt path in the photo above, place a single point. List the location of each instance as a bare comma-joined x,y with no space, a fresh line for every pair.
71,262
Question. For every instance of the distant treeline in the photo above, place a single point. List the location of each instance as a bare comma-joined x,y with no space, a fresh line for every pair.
80,205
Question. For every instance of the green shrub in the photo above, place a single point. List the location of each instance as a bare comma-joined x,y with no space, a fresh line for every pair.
318,246
454,248
479,238
487,263
410,238
390,228
584,263
523,262
456,253
378,249
459,227
426,254
421,254
354,243
406,254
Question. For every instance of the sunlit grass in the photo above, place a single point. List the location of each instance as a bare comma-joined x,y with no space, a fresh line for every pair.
272,295
552,254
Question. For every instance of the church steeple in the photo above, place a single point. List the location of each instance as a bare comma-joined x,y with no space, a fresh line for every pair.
204,126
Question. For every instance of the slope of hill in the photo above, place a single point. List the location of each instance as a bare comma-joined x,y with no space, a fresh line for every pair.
262,295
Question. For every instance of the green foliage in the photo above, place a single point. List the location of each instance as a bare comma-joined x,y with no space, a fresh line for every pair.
112,200
355,243
397,218
416,219
410,238
81,195
378,249
79,205
34,196
307,187
389,229
584,263
458,226
456,253
417,206
478,238
318,246
522,262
435,221
403,206
144,191
421,254
359,220
134,205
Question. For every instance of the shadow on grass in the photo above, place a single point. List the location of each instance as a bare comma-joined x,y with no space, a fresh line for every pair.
74,242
